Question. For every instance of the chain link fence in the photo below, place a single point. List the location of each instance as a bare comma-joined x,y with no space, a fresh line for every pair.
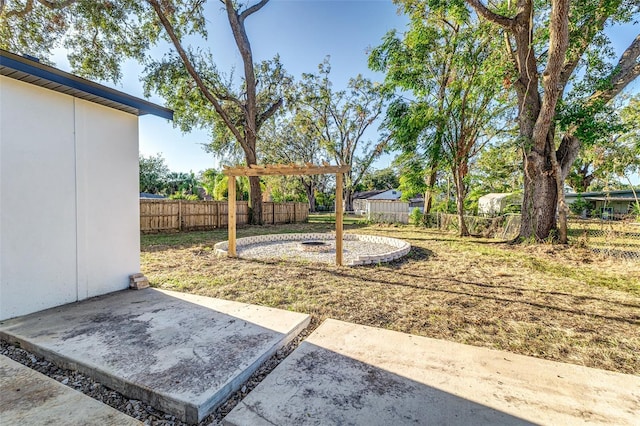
618,239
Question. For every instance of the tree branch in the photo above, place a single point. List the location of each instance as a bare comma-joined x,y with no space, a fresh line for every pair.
28,7
585,35
268,113
627,69
489,15
253,9
244,47
56,5
558,43
194,74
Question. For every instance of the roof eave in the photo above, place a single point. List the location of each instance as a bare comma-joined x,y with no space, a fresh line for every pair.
76,86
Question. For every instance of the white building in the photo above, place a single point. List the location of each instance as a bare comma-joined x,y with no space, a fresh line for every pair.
495,203
69,197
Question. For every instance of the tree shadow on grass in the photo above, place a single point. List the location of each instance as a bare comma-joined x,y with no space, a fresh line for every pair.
352,273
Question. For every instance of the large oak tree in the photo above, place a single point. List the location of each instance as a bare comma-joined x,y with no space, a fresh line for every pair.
548,44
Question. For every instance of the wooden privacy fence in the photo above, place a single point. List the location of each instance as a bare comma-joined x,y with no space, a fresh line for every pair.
182,215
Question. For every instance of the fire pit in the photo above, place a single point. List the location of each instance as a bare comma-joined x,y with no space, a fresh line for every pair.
319,247
316,246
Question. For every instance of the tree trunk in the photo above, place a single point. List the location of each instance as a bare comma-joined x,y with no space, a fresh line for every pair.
348,199
460,196
255,191
540,198
428,195
255,201
309,188
563,210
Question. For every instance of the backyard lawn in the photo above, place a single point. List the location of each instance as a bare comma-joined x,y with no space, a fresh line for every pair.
552,302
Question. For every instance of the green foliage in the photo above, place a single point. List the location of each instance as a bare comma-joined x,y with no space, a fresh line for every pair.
579,205
454,67
325,201
183,196
97,34
341,118
615,157
221,188
416,217
183,183
285,188
208,179
498,168
153,174
445,206
379,179
411,181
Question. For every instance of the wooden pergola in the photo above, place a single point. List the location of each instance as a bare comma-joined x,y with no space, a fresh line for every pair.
284,170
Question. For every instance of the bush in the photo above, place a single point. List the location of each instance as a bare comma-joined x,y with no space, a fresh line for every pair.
416,217
578,206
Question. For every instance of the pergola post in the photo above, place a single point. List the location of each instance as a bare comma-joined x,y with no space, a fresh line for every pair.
339,219
231,183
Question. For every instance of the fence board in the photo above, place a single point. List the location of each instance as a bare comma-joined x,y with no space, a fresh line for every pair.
179,215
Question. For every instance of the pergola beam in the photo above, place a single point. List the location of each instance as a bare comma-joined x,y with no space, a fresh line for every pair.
284,170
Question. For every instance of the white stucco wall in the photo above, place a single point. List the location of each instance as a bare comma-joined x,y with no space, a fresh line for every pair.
69,212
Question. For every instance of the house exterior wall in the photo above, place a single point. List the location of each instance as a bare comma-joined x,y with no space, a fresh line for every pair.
69,226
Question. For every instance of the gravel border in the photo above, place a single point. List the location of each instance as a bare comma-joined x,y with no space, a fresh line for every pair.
138,409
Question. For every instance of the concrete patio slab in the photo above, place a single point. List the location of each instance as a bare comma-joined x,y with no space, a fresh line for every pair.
183,354
350,374
31,398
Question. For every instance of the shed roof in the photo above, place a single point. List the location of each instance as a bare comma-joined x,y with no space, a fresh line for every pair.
495,196
33,72
363,195
389,194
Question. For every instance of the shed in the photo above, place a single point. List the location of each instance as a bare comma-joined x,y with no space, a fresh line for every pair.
77,143
495,203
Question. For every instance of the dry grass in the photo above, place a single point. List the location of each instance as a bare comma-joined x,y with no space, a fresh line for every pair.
557,303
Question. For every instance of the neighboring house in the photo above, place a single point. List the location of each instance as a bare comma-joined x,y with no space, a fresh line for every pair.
416,202
77,143
496,203
360,198
605,204
382,206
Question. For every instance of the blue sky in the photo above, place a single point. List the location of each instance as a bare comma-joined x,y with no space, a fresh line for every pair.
302,32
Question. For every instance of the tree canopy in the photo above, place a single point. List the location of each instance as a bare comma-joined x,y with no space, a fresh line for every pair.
453,67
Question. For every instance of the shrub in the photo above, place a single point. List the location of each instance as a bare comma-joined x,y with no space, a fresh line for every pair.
416,217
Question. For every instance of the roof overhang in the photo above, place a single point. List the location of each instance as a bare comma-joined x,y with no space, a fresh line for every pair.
33,72
610,199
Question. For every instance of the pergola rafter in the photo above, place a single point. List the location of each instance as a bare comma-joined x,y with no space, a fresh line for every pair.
284,170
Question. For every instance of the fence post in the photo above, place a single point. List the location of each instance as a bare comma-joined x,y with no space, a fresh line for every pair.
217,214
179,215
